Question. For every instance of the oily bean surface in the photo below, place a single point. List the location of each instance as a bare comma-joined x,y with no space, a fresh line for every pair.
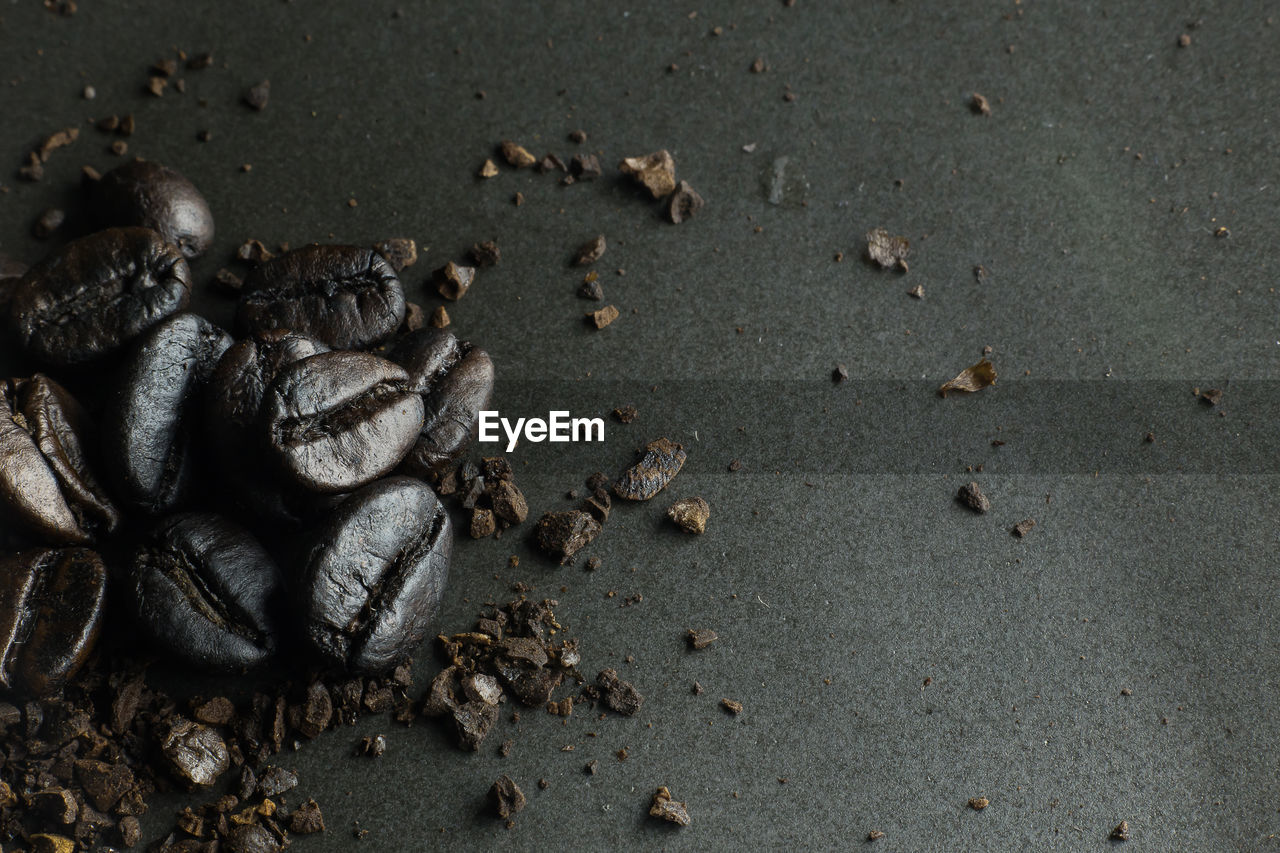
147,194
97,293
46,485
376,574
204,587
345,296
455,380
338,420
149,431
51,606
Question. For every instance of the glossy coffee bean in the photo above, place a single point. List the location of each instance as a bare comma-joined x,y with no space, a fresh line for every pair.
46,486
455,380
153,196
51,604
338,420
150,425
347,297
95,294
374,579
233,403
203,587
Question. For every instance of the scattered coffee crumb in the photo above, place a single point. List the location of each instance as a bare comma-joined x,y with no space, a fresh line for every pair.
917,291
482,523
486,254
48,223
1149,438
972,497
257,96
489,169
875,835
685,203
156,85
887,250
1212,396
1022,528
453,281
662,460
758,66
544,783
373,745
590,251
88,93
1184,40
840,374
735,465
972,378
585,167
578,136
119,148
666,808
980,105
592,767
619,695
439,318
603,317
413,317
732,706
563,534
626,414
228,282
400,252
516,155
1121,831
979,803
698,688
307,819
690,514
656,172
980,273
551,163
1222,232
591,287
1126,691
701,638
254,252
507,797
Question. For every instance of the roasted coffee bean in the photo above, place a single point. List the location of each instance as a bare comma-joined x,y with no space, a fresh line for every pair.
375,576
202,586
149,426
339,420
95,294
46,486
154,196
347,297
51,603
233,403
455,380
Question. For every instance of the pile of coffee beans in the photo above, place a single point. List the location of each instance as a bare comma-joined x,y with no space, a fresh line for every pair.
229,496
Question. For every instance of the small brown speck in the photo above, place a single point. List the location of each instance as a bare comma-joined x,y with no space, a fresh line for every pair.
489,169
1121,831
603,317
875,835
979,803
980,105
1022,528
1184,40
732,706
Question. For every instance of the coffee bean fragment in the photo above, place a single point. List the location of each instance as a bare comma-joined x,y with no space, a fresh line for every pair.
373,746
972,378
95,294
400,252
516,155
48,223
887,250
619,695
439,318
971,496
256,97
130,831
602,317
197,754
690,514
916,292
413,317
486,254
307,819
218,711
119,148
626,414
655,172
578,136
482,523
507,797
980,105
1022,528
732,706
156,85
44,842
489,169
590,251
685,203
661,462
701,638
979,803
453,281
875,835
840,374
552,163
585,167
345,296
274,781
1120,832
562,534
253,251
591,288
666,808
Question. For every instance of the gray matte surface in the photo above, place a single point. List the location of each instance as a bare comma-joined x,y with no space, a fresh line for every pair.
837,567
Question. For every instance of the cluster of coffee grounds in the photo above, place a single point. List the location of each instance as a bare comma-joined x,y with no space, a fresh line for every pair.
488,492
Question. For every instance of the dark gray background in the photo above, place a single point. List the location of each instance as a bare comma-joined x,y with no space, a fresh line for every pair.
837,567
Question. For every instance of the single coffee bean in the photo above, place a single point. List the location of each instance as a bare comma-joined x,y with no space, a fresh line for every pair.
46,486
455,380
347,297
203,587
338,420
375,576
51,604
148,428
154,196
233,403
95,294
